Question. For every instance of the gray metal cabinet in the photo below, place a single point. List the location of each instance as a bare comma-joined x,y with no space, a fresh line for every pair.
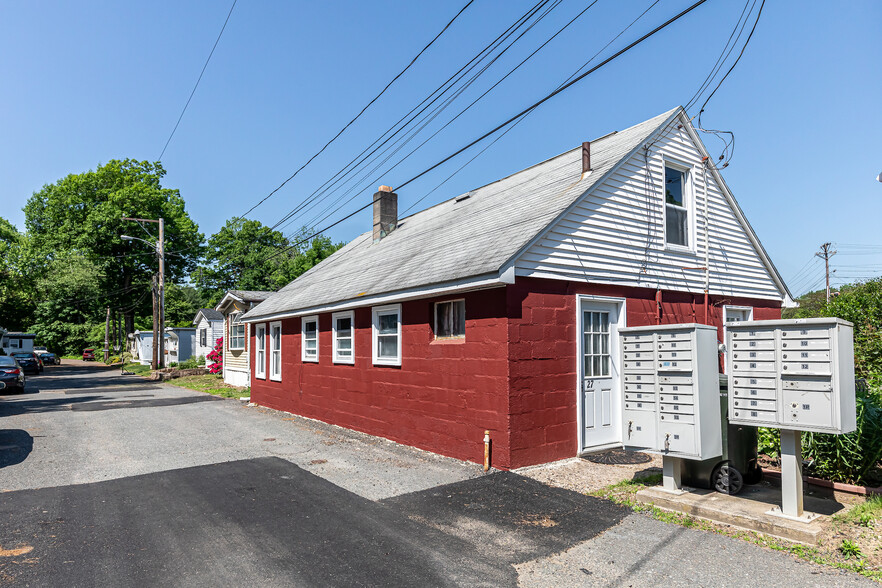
792,374
671,390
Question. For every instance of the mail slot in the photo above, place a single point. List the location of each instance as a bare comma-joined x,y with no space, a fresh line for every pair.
755,404
674,365
811,387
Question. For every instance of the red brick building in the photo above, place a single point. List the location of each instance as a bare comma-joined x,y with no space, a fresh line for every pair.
499,309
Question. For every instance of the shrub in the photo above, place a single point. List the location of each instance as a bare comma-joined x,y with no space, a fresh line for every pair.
173,364
188,364
217,356
200,360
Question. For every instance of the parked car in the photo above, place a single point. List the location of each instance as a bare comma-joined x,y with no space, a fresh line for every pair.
89,354
28,361
49,358
11,374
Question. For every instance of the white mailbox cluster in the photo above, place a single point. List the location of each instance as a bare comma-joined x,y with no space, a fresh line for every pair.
672,390
792,374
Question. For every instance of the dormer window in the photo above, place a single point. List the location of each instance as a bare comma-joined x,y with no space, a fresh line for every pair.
676,212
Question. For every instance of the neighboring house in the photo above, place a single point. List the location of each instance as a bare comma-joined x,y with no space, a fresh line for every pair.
209,328
499,309
14,341
236,333
141,346
179,343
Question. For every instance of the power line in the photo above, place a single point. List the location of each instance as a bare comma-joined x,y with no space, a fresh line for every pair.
555,92
526,111
436,112
347,125
421,107
737,59
199,79
593,57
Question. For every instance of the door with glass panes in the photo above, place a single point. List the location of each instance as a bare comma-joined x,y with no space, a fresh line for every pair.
599,374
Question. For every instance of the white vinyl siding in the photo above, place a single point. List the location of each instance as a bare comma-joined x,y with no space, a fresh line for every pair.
275,358
343,336
386,335
309,339
260,351
616,233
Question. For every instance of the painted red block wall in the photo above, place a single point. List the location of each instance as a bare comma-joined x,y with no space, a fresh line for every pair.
542,345
514,374
442,398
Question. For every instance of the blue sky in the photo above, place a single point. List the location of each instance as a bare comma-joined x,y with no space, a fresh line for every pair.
91,81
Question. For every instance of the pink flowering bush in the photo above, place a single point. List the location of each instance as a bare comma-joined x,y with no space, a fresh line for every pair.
217,356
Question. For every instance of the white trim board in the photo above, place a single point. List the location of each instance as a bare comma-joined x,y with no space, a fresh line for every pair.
469,284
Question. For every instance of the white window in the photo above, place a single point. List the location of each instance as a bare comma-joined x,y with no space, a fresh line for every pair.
676,206
260,351
203,337
237,332
343,324
386,335
450,319
276,351
309,339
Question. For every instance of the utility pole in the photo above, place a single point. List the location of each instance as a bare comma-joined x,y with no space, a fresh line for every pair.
160,251
107,336
826,253
158,290
155,363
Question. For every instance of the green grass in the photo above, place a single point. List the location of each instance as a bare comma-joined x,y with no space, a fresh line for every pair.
625,492
212,384
137,368
865,514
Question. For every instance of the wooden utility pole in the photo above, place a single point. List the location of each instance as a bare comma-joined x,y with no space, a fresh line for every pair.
107,336
155,363
160,251
158,290
826,253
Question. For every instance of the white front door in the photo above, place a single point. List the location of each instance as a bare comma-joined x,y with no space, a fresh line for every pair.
599,403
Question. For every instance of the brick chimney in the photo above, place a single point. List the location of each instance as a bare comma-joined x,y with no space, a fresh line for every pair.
385,212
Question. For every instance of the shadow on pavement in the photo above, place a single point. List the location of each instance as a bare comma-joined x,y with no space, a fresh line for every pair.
258,522
15,446
511,517
42,405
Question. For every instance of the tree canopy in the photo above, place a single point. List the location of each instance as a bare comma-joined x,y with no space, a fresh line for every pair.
83,213
247,255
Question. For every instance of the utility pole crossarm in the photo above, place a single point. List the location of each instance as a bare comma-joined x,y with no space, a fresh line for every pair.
826,253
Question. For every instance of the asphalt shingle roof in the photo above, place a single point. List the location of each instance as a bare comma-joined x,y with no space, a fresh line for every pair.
251,295
211,314
459,238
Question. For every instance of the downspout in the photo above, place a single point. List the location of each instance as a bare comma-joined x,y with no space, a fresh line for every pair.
658,306
706,246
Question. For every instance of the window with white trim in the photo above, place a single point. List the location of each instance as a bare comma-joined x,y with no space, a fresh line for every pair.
237,332
343,336
450,319
676,207
309,339
260,351
203,337
386,335
276,351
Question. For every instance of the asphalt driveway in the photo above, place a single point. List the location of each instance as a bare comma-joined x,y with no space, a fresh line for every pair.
110,480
